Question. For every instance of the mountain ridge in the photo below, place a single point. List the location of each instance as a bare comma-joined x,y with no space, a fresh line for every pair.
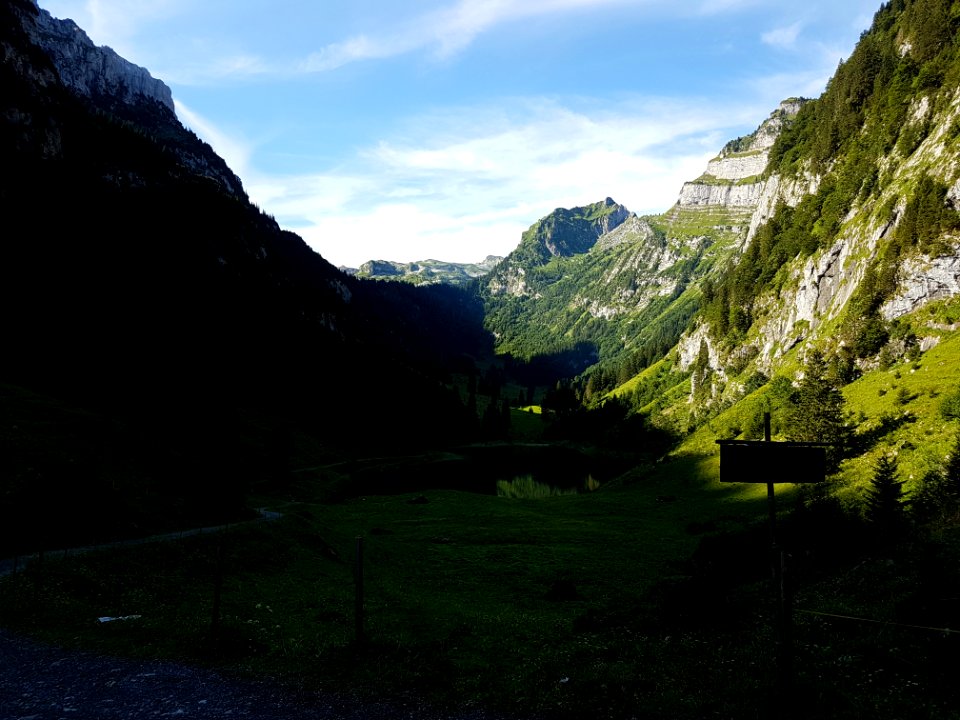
425,272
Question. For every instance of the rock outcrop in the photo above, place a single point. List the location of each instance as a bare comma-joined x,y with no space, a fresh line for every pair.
703,195
92,71
923,280
564,234
732,179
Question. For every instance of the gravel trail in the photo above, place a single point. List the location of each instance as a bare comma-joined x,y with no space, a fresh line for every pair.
43,682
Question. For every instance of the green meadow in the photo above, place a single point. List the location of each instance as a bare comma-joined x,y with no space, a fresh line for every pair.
648,597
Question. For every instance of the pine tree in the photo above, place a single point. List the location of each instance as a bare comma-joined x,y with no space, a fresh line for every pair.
937,497
951,471
885,501
817,410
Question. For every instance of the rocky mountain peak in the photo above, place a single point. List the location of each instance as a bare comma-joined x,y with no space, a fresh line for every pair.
92,71
571,232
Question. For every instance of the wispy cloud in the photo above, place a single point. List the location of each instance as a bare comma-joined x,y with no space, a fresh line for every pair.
443,31
783,37
236,151
117,23
456,192
450,29
360,47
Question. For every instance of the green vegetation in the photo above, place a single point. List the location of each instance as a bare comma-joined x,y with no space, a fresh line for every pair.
619,301
652,594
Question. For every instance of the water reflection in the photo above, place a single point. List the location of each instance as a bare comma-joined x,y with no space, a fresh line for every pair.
527,487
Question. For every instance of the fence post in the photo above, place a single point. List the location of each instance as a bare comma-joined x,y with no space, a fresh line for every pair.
217,593
358,581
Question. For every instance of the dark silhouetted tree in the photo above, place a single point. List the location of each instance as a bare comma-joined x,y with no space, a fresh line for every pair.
937,499
885,500
951,471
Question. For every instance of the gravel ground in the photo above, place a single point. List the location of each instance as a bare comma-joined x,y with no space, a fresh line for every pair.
42,682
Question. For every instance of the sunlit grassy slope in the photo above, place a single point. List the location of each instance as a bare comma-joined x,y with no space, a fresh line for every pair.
894,409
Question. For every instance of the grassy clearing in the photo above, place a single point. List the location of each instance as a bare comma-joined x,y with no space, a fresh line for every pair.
899,409
649,597
547,605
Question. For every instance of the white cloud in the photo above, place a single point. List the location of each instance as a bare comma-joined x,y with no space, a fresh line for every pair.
116,23
357,48
236,151
446,30
784,37
454,192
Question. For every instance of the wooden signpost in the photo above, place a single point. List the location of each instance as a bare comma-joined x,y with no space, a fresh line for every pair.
770,463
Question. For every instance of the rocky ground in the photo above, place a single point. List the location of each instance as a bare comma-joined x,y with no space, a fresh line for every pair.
42,682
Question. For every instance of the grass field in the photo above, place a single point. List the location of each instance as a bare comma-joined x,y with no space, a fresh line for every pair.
649,597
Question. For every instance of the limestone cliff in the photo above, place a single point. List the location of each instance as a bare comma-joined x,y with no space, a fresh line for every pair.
867,255
92,71
117,88
733,178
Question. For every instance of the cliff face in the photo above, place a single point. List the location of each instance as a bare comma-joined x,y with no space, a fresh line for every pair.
732,179
866,197
98,77
698,194
91,71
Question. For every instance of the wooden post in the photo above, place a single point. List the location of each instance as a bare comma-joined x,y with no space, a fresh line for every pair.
785,659
771,497
217,594
767,462
358,581
778,561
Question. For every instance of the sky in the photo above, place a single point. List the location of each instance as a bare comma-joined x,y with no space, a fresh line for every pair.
441,129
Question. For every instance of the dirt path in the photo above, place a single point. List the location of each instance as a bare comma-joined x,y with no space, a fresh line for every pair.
8,565
42,682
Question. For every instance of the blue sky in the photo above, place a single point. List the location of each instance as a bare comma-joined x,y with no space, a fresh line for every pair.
416,129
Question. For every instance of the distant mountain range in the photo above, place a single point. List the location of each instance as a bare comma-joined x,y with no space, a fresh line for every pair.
425,272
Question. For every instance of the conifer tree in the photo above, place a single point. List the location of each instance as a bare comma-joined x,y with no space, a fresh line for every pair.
885,501
951,471
938,495
816,413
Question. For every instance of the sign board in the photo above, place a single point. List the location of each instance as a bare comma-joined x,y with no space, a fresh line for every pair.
745,461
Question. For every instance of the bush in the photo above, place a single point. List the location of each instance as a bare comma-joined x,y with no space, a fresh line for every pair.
950,405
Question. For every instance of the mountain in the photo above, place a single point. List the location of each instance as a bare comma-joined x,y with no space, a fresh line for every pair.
181,340
143,292
836,233
427,272
602,278
825,244
856,228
